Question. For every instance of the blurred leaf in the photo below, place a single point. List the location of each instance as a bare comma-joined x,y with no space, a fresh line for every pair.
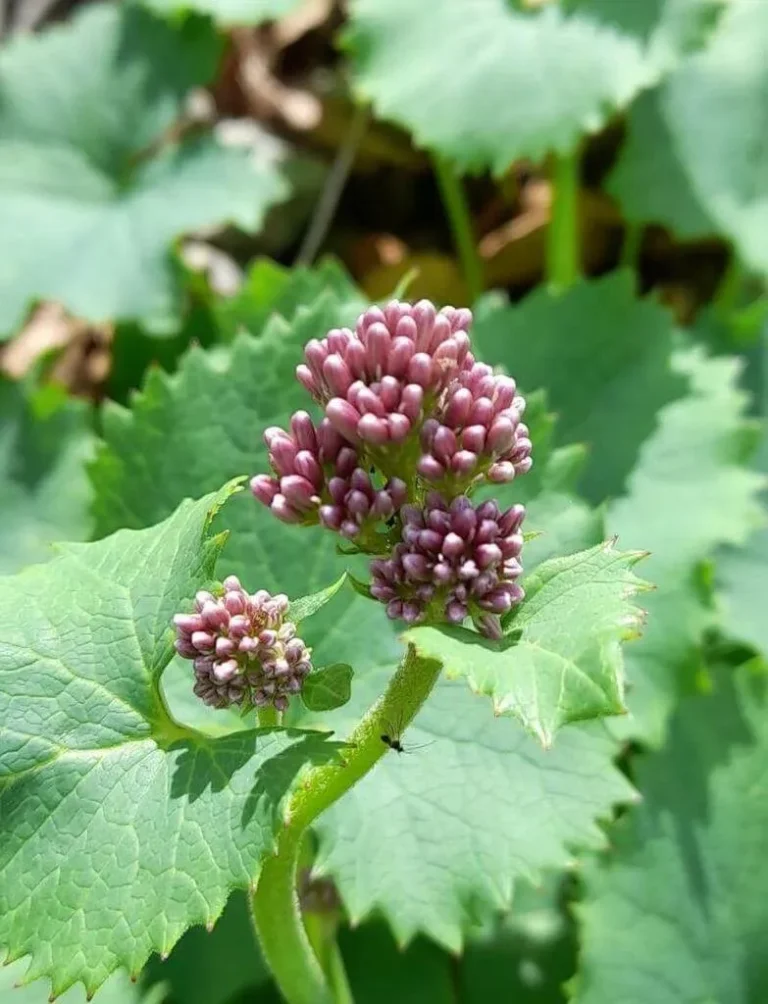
743,579
668,29
677,911
210,968
380,973
524,956
436,840
599,352
135,829
649,180
714,105
45,443
228,11
270,289
688,495
328,688
485,84
93,184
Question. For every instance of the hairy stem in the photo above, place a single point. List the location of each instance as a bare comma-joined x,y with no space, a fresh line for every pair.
275,906
563,243
455,202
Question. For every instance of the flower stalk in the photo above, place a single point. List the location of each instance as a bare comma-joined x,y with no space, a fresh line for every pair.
275,904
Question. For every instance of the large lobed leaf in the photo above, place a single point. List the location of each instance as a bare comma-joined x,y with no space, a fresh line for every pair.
92,188
45,441
118,828
486,84
677,911
562,660
688,494
598,351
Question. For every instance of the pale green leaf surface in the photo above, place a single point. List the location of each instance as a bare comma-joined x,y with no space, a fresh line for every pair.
649,180
715,107
743,581
90,197
599,352
117,990
308,606
485,84
668,29
44,490
688,495
118,830
676,913
435,839
228,11
566,666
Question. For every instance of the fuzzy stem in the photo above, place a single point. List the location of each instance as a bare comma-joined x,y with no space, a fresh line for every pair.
275,905
563,235
455,202
321,931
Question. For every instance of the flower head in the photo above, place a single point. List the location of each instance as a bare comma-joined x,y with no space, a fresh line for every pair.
375,382
245,652
454,561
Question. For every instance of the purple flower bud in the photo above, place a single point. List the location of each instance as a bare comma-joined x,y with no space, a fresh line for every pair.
344,418
458,559
264,488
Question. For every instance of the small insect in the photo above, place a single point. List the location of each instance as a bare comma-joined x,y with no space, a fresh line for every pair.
392,740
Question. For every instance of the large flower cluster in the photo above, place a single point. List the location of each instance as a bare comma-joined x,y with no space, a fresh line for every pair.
411,425
244,650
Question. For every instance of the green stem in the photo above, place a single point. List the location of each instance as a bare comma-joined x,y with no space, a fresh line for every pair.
455,202
275,905
321,931
563,245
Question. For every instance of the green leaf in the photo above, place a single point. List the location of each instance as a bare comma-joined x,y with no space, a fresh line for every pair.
436,840
308,606
714,106
678,910
742,575
598,351
649,179
228,11
132,827
117,990
328,688
461,80
688,495
567,665
270,289
45,442
668,29
92,188
211,967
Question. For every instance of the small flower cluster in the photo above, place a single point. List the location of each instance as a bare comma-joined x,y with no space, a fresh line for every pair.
454,561
245,652
412,424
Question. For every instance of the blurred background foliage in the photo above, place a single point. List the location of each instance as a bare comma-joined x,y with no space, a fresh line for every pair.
191,190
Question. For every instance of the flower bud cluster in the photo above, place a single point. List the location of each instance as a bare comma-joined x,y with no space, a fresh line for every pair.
245,652
412,424
454,561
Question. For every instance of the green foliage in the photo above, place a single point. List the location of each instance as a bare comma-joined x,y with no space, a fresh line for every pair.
677,910
461,79
45,441
94,184
328,688
436,840
228,11
561,659
688,495
135,827
598,350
